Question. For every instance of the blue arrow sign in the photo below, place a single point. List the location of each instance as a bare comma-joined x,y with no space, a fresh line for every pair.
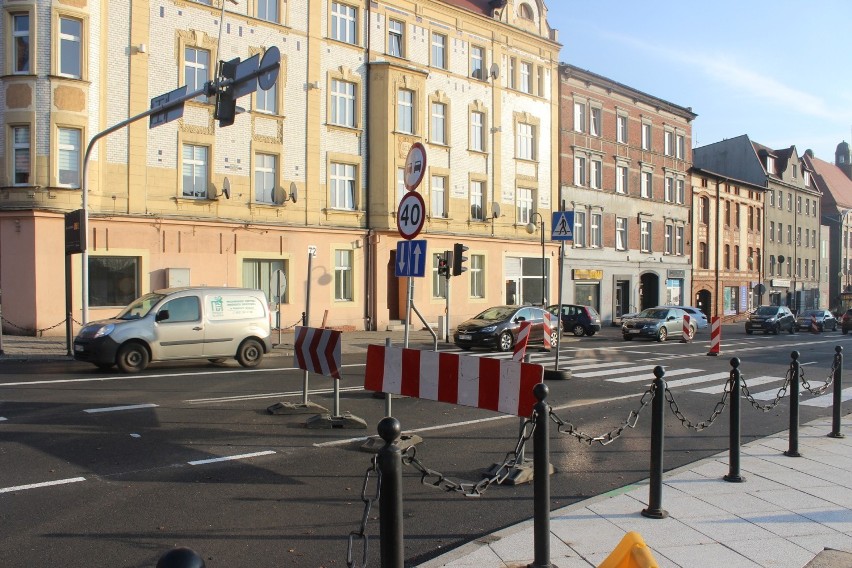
411,258
562,228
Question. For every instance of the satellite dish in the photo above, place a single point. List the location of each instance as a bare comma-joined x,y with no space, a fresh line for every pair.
294,192
781,258
494,71
278,196
495,209
226,188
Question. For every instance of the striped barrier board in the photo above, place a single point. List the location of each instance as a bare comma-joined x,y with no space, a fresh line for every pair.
686,330
481,382
546,330
317,350
521,342
715,336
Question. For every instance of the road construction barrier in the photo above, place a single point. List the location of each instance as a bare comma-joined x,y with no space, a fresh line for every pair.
631,552
546,330
687,332
521,343
317,350
715,336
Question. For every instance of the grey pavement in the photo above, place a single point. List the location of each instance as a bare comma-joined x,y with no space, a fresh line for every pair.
791,512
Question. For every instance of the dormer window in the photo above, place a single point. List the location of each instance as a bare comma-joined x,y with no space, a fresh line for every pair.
806,175
525,12
770,165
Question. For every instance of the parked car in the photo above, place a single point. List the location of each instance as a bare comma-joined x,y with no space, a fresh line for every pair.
656,323
696,315
771,319
579,320
846,321
498,327
824,320
618,320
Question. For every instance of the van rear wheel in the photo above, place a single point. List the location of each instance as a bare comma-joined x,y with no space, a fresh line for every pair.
250,353
132,358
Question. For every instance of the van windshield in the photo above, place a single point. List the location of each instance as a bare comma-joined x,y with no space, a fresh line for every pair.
140,307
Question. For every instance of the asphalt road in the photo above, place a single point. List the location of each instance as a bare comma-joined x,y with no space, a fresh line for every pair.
113,470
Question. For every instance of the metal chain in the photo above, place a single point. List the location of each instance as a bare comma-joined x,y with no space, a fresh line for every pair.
294,324
361,533
31,330
778,396
613,434
409,457
828,381
698,427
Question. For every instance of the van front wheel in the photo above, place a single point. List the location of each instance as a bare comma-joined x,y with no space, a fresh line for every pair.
250,353
132,358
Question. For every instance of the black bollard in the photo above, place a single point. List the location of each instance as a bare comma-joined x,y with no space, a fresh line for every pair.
655,490
180,558
541,480
838,376
734,429
390,495
793,447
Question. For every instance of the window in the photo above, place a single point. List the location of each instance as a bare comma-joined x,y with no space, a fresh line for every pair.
680,193
267,10
727,213
645,236
727,257
736,257
69,157
807,206
595,235
477,62
705,211
668,143
259,274
343,275
770,165
621,233
396,31
525,12
703,257
680,147
540,81
264,177
621,129
196,70
342,186
525,203
750,218
647,184
806,268
579,228
789,202
789,234
780,199
344,22
439,51
20,43
669,239
646,136
669,190
21,155
477,276
71,48
526,77
799,204
621,179
799,236
477,131
679,233
342,103
806,178
186,309
439,196
579,117
526,141
595,125
799,268
477,201
267,100
511,77
401,190
772,231
439,281
405,111
113,280
595,179
737,216
772,265
579,170
794,170
194,171
439,123
771,198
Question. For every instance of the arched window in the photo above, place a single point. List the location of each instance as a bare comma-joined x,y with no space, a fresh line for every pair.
525,12
705,210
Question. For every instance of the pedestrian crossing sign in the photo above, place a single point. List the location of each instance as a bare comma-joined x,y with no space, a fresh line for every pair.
562,228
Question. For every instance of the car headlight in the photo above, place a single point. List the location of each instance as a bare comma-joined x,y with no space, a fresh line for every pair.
770,320
488,329
104,330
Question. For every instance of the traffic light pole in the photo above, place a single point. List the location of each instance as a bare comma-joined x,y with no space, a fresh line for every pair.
447,310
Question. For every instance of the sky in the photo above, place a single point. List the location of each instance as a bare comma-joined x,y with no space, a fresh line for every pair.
775,70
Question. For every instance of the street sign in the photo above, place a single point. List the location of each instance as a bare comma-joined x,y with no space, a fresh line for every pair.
243,86
75,232
169,114
415,166
562,227
411,214
312,250
411,258
278,286
269,66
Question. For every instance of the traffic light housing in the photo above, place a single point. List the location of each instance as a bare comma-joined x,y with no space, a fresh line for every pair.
444,262
459,259
226,104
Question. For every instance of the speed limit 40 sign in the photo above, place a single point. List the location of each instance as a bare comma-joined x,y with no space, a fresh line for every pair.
410,215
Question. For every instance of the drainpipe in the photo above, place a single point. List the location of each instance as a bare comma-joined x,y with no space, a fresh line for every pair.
369,256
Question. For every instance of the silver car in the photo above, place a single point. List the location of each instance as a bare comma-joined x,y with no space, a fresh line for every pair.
657,323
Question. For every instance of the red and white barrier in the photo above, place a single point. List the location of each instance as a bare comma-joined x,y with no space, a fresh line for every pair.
494,384
317,350
686,331
546,330
715,336
521,343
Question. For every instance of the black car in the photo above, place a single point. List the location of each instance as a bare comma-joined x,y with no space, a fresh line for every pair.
498,327
846,321
579,320
771,319
823,319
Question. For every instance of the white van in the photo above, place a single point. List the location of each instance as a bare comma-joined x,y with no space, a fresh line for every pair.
180,323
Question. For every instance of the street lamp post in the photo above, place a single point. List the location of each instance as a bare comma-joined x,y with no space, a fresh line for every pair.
531,226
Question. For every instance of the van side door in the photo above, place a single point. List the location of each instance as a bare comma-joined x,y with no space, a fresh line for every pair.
178,329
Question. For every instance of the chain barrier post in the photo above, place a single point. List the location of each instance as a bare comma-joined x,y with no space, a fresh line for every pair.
180,558
837,402
793,445
390,499
734,428
655,492
541,480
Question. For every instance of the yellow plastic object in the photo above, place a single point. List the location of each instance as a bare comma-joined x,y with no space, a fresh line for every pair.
631,552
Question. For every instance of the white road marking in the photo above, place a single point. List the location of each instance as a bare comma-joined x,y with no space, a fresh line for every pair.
44,484
267,395
119,408
650,377
230,458
2,418
827,400
590,374
599,365
699,379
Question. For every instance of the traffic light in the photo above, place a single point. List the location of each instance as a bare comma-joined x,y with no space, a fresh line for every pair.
444,262
226,104
458,259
